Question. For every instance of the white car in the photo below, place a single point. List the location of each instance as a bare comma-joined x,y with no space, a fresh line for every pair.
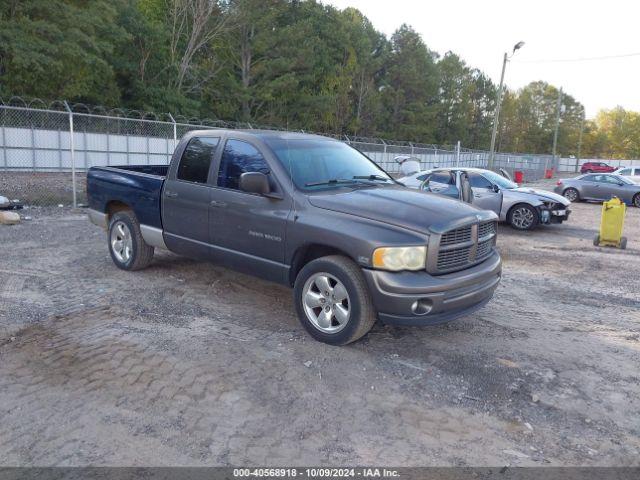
632,173
523,208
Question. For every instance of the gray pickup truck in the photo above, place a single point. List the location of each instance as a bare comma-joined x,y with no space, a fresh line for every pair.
309,212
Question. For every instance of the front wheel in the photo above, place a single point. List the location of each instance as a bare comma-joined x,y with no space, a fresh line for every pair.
128,249
332,300
636,200
523,217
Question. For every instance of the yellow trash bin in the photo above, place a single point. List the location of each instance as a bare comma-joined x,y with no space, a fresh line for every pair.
611,225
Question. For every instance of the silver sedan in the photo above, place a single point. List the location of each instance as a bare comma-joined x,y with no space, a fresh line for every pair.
523,208
599,187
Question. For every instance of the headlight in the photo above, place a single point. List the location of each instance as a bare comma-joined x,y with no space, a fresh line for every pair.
400,258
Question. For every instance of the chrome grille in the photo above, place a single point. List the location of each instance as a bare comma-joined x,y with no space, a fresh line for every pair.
463,247
459,235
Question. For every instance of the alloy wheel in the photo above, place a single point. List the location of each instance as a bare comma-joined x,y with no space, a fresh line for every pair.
522,218
121,242
326,302
571,195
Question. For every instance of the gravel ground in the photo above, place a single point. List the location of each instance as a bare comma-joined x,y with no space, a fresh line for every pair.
186,363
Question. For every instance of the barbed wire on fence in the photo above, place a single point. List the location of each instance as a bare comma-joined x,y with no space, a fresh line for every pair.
56,138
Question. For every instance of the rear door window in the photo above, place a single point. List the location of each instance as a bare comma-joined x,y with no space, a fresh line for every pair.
196,159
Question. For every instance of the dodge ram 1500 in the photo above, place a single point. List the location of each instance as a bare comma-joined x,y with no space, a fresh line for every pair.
309,212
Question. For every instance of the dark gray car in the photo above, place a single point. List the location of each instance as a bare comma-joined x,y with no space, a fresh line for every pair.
599,187
308,212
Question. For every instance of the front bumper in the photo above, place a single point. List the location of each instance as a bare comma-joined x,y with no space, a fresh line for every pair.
417,298
555,214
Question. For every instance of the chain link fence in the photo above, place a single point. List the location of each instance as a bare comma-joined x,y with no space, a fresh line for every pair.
46,150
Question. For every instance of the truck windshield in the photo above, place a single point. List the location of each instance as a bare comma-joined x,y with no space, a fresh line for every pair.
320,164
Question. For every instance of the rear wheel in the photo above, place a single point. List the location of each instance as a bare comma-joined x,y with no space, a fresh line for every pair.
571,194
636,200
523,217
332,300
128,249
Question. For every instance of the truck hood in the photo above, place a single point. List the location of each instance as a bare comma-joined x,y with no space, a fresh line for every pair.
543,195
401,206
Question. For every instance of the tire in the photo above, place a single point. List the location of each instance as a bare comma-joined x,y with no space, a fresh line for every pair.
596,241
124,230
636,200
523,217
571,194
311,300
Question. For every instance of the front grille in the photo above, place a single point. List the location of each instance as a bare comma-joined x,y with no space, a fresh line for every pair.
487,228
484,249
464,246
459,235
450,259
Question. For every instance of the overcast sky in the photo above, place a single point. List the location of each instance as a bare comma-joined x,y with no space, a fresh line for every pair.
480,31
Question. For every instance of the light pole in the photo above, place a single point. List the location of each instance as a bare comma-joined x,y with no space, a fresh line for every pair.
559,111
496,116
580,139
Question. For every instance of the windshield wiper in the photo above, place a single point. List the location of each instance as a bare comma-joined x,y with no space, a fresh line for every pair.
333,181
372,177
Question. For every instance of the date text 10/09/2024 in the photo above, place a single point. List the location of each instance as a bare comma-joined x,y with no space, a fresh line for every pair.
315,472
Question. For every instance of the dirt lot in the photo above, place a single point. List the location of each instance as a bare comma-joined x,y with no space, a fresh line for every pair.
186,363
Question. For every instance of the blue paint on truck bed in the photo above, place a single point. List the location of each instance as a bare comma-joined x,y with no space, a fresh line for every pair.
138,186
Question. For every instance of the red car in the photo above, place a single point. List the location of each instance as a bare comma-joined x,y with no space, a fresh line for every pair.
599,167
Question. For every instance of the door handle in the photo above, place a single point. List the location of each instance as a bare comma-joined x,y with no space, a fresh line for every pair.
171,194
216,203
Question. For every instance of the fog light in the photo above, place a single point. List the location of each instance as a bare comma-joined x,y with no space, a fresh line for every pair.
422,306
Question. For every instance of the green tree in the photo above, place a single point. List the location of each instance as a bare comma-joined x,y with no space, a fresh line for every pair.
60,49
614,133
411,88
296,64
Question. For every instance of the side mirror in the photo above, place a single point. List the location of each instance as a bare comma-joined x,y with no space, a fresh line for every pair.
496,188
255,182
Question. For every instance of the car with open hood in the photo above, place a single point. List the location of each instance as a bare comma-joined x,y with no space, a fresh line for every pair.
523,208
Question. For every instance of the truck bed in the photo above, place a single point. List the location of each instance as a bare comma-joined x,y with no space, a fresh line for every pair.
156,170
138,186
